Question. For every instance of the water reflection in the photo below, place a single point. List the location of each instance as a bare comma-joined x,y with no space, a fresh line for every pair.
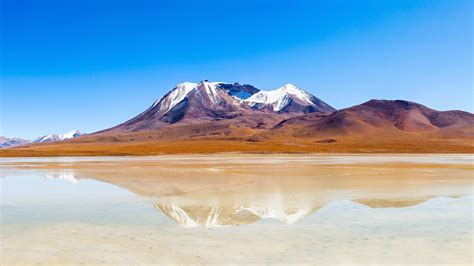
68,176
267,210
233,190
218,216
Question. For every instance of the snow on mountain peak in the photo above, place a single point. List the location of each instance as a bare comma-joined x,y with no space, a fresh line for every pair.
290,86
298,92
58,137
187,85
179,93
175,96
213,94
280,97
69,135
212,101
211,90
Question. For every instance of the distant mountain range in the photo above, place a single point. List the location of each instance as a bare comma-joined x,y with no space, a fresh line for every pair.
13,142
226,117
58,137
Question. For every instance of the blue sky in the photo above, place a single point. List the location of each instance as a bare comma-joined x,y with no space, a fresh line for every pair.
90,65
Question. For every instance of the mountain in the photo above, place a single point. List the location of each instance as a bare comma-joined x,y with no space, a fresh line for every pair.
210,117
188,102
12,142
213,101
58,137
375,116
288,98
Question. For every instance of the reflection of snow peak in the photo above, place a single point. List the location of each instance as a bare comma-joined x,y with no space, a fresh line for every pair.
218,216
184,218
179,215
279,214
64,176
214,216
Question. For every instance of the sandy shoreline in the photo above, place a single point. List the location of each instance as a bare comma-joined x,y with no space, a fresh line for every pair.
11,153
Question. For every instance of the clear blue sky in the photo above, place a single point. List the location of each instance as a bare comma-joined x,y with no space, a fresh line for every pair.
91,64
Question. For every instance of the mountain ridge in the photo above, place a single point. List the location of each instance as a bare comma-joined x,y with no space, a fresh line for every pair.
58,137
12,142
212,117
191,102
380,115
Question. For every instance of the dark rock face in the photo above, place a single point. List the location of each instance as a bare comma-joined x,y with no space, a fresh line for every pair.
240,91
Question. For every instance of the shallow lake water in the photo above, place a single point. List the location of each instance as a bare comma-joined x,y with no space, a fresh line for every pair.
259,209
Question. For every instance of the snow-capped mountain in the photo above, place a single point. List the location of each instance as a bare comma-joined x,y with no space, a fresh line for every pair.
211,101
210,94
288,98
12,142
277,100
191,102
58,137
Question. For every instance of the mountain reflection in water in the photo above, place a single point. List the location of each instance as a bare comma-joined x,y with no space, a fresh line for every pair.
217,216
217,191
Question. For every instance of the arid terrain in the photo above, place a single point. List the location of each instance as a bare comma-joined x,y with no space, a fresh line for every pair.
208,117
385,143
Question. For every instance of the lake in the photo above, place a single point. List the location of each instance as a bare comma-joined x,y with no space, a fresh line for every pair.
232,208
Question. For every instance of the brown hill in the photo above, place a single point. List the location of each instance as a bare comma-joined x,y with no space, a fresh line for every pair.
375,116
